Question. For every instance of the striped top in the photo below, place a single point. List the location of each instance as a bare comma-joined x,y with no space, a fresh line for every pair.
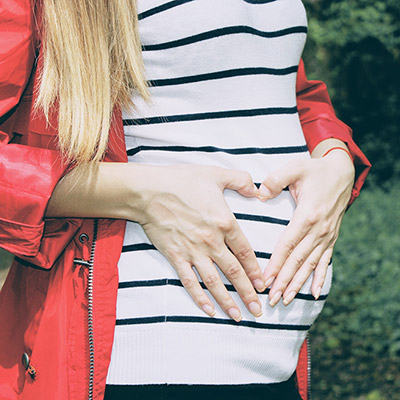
223,77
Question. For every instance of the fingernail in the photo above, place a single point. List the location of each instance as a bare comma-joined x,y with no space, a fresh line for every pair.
263,193
255,309
275,299
288,299
234,313
208,310
317,293
259,285
269,281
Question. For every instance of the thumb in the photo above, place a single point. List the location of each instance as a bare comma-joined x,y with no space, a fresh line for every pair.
241,181
275,182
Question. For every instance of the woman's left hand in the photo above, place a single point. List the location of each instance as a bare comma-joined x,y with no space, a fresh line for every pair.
321,188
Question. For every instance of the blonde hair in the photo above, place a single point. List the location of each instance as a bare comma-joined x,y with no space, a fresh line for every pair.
92,61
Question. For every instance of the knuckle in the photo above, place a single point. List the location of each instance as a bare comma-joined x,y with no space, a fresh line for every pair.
326,229
313,264
188,282
289,246
225,224
244,252
211,280
219,252
298,262
311,220
206,236
234,271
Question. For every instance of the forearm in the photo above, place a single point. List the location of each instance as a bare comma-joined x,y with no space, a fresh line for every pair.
104,190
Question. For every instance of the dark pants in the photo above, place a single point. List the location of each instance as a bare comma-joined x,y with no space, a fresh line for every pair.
277,391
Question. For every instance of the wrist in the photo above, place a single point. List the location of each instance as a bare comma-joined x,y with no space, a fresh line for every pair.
329,145
336,151
139,183
341,164
340,149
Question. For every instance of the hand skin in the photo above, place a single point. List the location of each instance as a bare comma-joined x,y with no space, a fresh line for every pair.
321,188
183,212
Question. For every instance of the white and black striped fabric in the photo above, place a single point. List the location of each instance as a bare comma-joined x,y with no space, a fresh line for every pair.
223,76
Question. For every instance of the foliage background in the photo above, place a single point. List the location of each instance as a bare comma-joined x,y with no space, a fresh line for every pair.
354,46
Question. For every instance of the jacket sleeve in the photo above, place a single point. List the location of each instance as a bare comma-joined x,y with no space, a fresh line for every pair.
319,122
28,174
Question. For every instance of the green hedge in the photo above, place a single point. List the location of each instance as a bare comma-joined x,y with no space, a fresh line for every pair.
356,341
354,46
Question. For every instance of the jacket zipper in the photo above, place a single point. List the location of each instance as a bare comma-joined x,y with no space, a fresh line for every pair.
89,265
308,369
90,310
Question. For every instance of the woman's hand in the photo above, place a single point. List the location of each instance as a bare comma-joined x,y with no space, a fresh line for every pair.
185,216
321,188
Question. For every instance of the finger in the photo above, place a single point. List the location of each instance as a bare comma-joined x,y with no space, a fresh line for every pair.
275,182
235,273
293,234
214,284
320,273
294,262
302,275
244,253
241,181
191,284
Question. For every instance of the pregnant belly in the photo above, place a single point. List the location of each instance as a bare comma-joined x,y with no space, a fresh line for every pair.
158,322
160,325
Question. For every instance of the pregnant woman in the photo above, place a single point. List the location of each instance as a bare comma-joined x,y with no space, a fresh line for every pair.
188,300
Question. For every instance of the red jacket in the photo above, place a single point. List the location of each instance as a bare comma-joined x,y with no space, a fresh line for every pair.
67,268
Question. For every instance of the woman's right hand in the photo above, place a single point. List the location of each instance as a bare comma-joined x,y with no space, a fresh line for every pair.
185,216
183,211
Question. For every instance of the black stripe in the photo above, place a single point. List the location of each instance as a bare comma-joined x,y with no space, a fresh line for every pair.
177,282
138,247
261,218
261,254
259,1
161,8
303,296
148,246
254,112
258,184
150,283
175,3
212,149
229,30
223,74
210,320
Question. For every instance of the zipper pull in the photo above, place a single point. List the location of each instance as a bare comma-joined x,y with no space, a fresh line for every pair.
27,364
79,261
